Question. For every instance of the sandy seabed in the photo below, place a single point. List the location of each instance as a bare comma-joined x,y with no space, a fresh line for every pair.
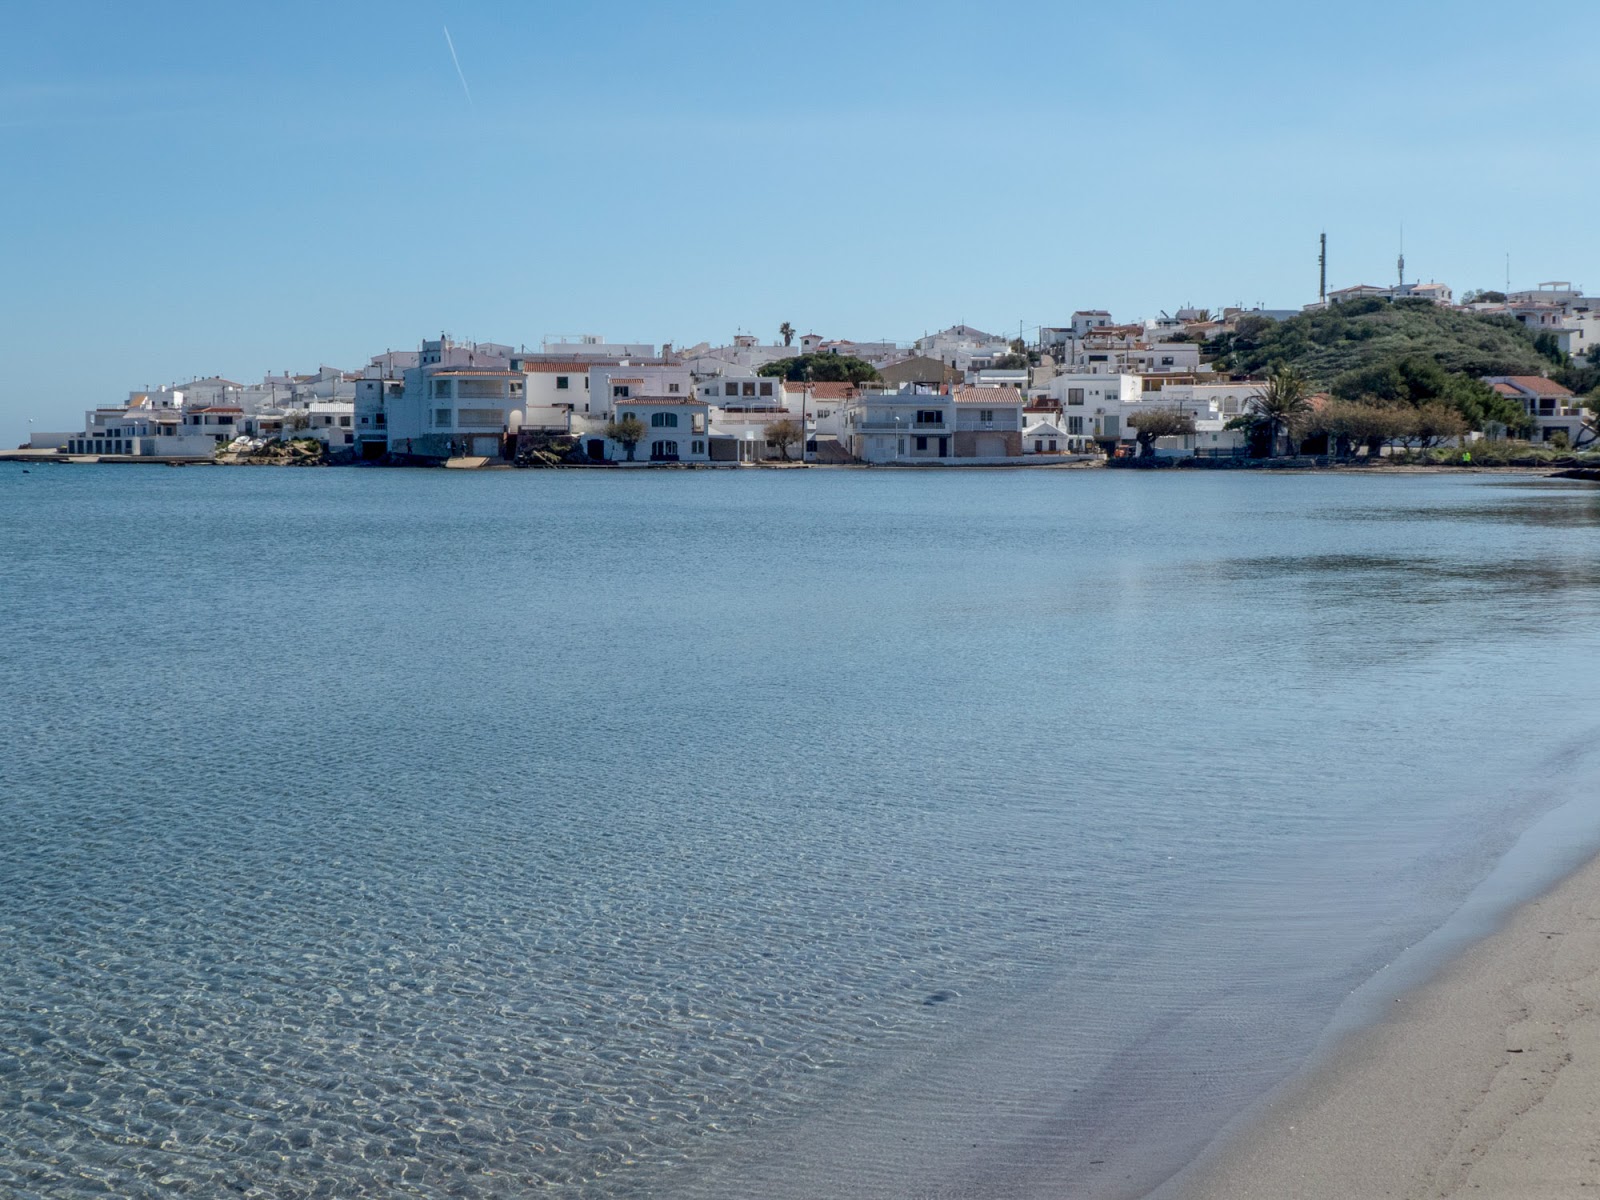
1484,1082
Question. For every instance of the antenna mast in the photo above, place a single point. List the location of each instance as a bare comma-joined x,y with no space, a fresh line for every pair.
1400,263
1322,265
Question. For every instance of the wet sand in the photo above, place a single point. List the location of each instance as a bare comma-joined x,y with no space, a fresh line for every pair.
1484,1082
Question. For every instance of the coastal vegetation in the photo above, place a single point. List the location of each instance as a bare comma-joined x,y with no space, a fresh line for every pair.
783,434
1159,423
627,432
1278,411
1327,343
821,368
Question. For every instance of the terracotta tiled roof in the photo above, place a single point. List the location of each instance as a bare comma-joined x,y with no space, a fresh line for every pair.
1537,385
998,397
556,368
823,391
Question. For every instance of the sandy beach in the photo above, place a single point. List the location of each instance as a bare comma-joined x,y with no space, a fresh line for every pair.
1484,1082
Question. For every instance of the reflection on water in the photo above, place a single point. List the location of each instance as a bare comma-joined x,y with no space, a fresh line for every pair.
726,834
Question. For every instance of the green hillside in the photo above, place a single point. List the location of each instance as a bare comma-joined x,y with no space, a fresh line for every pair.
1363,334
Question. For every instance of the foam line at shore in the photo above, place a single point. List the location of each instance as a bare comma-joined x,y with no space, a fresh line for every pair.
1481,1079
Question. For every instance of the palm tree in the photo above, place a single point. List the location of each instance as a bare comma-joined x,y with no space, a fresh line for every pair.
1281,406
786,332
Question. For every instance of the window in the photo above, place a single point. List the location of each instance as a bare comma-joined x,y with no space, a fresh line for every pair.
382,420
1075,425
697,447
929,416
1052,445
563,382
766,388
1038,445
628,417
730,389
749,389
664,420
986,414
672,389
363,420
480,389
664,451
441,418
620,392
480,418
922,443
515,388
441,389
1074,395
349,438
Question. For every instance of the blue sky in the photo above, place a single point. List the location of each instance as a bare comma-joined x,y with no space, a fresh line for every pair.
218,188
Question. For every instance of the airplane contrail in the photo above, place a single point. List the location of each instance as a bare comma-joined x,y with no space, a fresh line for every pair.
448,41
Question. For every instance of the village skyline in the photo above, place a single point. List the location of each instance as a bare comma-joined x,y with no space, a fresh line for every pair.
217,190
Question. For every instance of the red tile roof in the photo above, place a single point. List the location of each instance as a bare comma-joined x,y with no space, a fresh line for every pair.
995,396
822,391
557,368
1538,385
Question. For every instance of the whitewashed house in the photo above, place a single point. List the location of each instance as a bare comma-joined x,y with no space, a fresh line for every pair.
906,426
988,422
1554,409
676,430
461,399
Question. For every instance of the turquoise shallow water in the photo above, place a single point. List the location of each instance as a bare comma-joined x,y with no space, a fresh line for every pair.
711,834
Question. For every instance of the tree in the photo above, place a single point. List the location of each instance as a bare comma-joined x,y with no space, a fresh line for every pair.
1546,344
1159,423
1280,407
1018,346
786,332
783,434
1352,423
628,433
1011,362
820,368
1436,423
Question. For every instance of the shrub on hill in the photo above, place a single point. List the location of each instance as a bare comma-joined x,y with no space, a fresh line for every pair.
821,368
1405,352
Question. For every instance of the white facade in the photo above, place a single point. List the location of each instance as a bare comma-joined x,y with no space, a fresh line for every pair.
613,384
906,427
446,410
742,391
959,344
592,345
675,430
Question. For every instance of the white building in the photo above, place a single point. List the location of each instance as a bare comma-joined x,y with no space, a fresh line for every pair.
676,429
1553,407
988,422
905,426
958,345
461,399
614,383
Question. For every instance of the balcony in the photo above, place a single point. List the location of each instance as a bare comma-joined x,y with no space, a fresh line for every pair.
875,425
